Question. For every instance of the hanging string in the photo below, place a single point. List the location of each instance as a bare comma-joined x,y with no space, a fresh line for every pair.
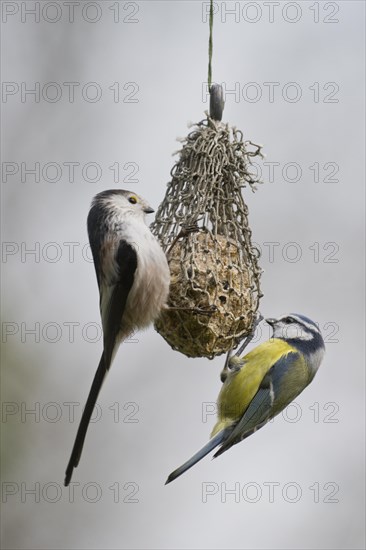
216,91
209,80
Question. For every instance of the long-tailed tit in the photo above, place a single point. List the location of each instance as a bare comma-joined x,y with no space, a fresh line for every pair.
133,278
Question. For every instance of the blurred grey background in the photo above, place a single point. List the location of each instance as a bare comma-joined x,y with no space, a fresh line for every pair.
114,84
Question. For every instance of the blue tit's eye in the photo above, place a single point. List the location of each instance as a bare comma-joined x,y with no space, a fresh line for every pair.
288,320
132,200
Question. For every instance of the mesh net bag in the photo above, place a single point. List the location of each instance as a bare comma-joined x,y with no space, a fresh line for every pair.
202,225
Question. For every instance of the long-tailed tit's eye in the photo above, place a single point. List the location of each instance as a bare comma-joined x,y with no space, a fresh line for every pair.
288,320
132,200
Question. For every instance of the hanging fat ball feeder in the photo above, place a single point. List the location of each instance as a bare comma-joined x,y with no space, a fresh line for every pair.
202,225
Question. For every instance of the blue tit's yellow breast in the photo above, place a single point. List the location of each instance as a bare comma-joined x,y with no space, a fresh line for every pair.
241,386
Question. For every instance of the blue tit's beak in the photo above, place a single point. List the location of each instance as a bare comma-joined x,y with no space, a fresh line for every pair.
149,210
271,321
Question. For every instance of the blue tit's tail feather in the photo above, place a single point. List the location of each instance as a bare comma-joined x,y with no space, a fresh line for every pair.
214,442
233,441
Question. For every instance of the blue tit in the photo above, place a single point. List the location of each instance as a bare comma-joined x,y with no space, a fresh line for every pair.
261,384
133,278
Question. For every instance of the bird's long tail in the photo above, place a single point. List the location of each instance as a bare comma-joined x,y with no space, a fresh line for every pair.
214,442
85,419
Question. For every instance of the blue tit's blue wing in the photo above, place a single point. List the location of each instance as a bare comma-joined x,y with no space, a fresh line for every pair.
266,403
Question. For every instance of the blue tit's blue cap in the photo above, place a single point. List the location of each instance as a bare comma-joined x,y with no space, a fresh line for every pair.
306,319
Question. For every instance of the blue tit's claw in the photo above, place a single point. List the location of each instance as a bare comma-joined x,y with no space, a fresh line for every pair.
250,336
